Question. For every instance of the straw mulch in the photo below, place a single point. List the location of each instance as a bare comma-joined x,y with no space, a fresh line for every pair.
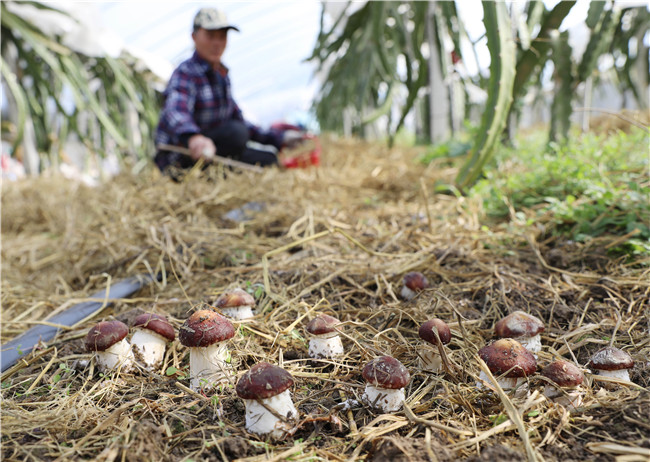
335,239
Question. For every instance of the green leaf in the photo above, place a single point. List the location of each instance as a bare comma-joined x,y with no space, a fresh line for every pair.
498,419
20,99
502,77
599,42
595,13
536,55
561,105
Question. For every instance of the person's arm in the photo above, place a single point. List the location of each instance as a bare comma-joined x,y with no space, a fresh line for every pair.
178,116
272,137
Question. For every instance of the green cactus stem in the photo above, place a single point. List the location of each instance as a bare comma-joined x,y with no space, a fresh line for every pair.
502,77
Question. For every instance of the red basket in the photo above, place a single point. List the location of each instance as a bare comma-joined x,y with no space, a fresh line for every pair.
309,158
306,159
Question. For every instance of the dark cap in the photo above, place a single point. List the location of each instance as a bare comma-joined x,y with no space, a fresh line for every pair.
212,19
611,359
518,324
386,372
105,334
323,324
262,381
427,334
415,281
155,323
563,373
205,328
505,354
234,299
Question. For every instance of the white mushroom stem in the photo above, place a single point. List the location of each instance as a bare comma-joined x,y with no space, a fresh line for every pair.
148,347
208,367
119,354
239,313
505,383
430,360
567,397
261,421
532,344
407,293
621,374
325,346
386,399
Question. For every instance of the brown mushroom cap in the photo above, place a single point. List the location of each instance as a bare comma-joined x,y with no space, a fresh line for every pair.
262,381
563,373
323,324
415,281
204,328
234,299
518,324
427,334
611,359
105,334
505,354
386,372
155,323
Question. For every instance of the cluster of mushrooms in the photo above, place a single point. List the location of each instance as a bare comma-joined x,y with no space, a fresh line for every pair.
512,358
266,388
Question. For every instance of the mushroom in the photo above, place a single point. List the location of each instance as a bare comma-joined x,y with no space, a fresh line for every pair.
509,358
108,340
567,378
149,341
325,341
236,304
205,333
523,327
265,389
612,362
430,359
414,282
385,378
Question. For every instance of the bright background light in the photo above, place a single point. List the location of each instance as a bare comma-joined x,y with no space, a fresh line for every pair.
270,79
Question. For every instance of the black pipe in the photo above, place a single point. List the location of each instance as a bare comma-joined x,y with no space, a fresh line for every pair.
11,351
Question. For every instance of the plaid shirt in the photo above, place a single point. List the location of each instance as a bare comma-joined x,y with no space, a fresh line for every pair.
197,99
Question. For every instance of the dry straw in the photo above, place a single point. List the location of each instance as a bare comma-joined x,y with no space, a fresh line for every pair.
336,239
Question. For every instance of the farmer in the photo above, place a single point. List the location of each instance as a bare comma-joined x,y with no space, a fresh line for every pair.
199,112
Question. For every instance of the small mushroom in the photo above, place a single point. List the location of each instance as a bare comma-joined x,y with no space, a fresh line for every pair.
430,359
325,341
152,332
612,362
568,378
265,389
205,333
507,358
414,282
385,378
523,327
108,340
236,304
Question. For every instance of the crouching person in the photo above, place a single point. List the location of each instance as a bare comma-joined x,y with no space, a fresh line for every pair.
199,112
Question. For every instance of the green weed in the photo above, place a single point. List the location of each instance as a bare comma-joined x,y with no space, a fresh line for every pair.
593,186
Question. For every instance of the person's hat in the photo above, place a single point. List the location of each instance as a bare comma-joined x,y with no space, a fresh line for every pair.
212,19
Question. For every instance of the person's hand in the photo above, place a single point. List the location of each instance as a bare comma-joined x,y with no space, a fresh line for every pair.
201,147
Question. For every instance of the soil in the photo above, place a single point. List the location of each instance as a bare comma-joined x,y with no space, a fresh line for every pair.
331,240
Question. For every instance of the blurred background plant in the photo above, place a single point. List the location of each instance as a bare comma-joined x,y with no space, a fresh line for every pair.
579,190
384,67
388,61
389,70
61,91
